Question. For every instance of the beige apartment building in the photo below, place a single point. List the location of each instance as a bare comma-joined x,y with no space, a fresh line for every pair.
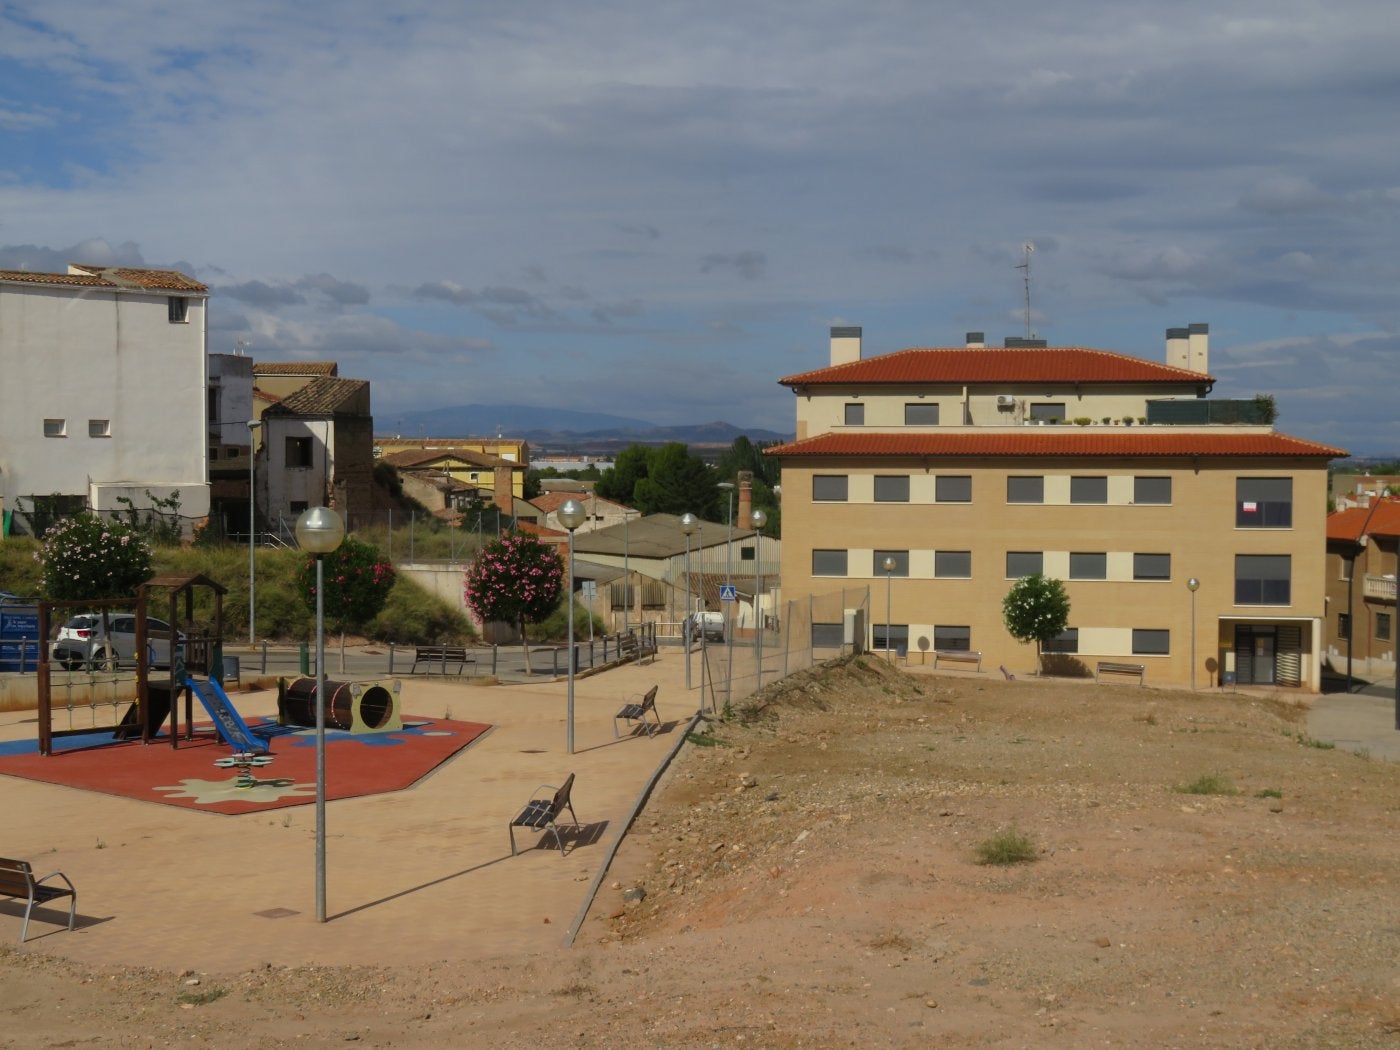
969,467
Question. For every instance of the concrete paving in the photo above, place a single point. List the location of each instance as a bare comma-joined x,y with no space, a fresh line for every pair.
1363,722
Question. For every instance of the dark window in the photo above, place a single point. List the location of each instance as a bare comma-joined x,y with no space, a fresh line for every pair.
855,415
55,428
1048,410
829,488
298,452
828,635
1024,563
99,428
746,554
891,488
1264,503
1088,490
624,595
953,488
1067,641
1263,579
957,639
1152,490
178,309
1151,642
1025,489
889,636
1088,566
298,506
1383,626
921,414
1152,566
1344,626
901,563
953,565
828,563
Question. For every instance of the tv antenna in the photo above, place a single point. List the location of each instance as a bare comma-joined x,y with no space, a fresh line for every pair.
1028,249
240,346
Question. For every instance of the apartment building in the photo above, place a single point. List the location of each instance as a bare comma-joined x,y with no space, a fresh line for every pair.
1192,548
1363,559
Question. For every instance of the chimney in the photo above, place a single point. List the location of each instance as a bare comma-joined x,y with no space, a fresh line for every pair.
976,340
745,499
1198,339
1178,348
845,345
502,492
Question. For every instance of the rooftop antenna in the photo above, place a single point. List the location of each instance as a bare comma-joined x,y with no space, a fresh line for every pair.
240,346
1028,249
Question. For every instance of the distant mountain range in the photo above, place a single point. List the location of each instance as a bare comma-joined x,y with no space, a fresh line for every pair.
560,428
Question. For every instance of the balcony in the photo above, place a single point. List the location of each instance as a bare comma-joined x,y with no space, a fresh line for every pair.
1381,588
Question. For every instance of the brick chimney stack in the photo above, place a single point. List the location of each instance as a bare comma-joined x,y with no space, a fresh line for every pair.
745,499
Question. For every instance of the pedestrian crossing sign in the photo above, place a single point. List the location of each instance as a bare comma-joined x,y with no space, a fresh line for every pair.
728,593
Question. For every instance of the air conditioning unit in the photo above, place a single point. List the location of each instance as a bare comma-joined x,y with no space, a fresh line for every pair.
1005,401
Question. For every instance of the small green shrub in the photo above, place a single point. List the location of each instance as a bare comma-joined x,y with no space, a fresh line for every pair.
1208,784
201,997
1269,793
1082,421
1006,848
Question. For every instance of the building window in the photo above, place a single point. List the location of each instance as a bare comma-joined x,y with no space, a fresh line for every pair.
1088,566
828,635
1383,626
1024,563
1152,490
830,488
921,414
298,506
99,428
1348,567
1263,579
1025,489
889,636
298,451
1067,641
952,639
891,488
855,414
901,563
828,563
1151,642
213,452
213,403
1048,410
1152,566
1088,490
1264,503
178,309
1344,626
953,488
746,554
474,475
55,428
952,565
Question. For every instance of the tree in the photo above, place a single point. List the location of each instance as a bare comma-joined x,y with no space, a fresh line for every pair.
619,480
357,585
86,557
676,482
515,579
1036,609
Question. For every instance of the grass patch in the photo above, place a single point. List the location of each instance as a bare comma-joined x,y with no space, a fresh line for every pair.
1208,784
703,740
1006,848
203,997
1269,793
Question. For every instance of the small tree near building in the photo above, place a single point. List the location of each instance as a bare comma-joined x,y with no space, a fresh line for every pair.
357,584
515,579
1036,609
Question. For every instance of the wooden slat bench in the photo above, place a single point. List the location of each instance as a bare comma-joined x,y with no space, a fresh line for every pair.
542,813
957,656
629,647
1109,667
17,880
635,715
441,656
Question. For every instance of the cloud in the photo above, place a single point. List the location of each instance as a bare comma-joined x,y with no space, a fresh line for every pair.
344,293
750,265
260,293
94,251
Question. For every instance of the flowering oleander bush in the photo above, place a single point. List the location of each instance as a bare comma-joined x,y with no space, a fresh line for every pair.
516,579
357,583
86,557
1036,609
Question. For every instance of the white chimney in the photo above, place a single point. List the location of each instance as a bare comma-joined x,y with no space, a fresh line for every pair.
845,345
1178,348
1198,340
976,340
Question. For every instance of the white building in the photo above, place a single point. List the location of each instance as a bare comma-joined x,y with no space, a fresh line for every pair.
103,388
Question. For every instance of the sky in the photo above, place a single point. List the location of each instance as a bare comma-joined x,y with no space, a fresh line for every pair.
657,209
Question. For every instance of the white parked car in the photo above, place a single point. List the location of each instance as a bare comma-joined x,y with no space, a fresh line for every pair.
83,643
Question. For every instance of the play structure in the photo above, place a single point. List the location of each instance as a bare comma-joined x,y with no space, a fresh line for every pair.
355,707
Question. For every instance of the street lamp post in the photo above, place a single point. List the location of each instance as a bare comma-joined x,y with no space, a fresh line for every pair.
889,566
319,531
253,425
688,525
1191,585
571,516
626,574
758,519
728,585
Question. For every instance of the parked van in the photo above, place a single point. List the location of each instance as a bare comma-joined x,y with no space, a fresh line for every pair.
709,625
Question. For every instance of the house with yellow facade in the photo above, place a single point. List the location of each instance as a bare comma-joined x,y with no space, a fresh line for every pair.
1190,534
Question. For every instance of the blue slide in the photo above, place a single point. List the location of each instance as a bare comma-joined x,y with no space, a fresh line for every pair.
230,725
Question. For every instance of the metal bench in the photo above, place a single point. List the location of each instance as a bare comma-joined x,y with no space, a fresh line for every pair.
635,715
1108,667
957,656
17,880
542,813
441,656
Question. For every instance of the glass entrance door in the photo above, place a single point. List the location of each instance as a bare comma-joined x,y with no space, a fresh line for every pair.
1256,648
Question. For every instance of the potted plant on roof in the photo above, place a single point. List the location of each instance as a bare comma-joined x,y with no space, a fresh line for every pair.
1127,421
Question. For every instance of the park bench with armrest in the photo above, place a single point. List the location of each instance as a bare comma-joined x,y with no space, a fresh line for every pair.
1109,667
441,656
635,715
542,813
957,656
17,880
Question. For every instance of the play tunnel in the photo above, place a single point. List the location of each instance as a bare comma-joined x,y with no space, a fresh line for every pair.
357,707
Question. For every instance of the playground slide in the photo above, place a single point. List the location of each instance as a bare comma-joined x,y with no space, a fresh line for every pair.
230,725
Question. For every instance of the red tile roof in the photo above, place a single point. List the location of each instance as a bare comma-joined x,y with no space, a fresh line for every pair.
1380,519
295,368
1057,441
1061,364
417,457
111,277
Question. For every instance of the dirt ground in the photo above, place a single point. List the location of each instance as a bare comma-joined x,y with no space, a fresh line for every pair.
808,877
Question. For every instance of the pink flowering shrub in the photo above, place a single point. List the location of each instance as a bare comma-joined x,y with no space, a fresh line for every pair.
86,557
516,579
357,583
